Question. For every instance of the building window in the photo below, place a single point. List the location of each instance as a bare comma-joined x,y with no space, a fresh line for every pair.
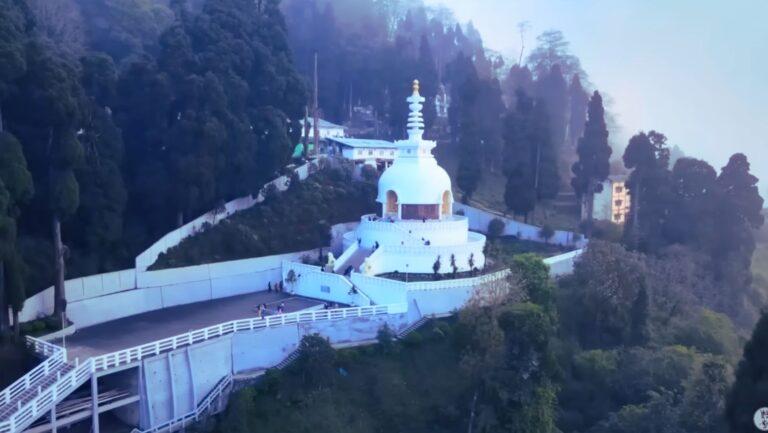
617,217
421,211
618,203
325,289
370,152
619,189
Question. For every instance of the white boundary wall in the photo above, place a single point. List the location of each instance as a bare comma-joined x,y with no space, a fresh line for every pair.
479,220
562,264
173,238
104,297
78,289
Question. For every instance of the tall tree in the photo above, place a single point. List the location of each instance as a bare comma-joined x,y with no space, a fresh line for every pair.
12,49
553,90
650,188
546,153
739,214
47,117
552,49
470,143
518,167
593,165
747,394
15,190
578,100
98,225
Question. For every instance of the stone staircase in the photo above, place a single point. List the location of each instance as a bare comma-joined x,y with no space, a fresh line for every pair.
288,360
412,327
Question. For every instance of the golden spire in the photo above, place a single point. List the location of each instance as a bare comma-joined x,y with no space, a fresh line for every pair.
415,87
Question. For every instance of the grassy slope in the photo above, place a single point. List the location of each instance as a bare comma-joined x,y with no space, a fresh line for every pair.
298,219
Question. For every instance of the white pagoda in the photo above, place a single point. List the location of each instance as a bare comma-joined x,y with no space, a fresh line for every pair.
416,227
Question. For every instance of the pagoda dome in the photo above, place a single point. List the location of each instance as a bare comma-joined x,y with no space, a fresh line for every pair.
415,181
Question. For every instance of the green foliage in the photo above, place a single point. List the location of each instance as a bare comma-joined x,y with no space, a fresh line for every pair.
748,391
594,152
297,219
534,279
495,228
608,280
316,362
708,332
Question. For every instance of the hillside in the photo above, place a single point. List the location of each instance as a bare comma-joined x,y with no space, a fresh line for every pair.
513,366
297,219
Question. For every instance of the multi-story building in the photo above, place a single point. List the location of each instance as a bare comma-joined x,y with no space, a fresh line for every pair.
613,202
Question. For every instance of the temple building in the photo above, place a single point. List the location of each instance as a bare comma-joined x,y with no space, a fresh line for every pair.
416,227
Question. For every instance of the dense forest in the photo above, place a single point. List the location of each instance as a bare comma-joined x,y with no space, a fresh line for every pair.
122,119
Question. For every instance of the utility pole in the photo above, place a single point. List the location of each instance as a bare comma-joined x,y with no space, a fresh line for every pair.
314,111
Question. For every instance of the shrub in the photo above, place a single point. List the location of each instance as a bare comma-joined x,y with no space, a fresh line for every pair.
495,228
546,232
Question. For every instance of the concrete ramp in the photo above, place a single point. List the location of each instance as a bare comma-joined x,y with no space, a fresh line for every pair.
355,260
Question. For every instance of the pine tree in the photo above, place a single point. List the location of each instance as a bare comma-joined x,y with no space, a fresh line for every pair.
545,153
519,157
747,394
553,90
737,214
470,143
650,187
578,100
593,166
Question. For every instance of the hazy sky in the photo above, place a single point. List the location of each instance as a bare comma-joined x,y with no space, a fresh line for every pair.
695,70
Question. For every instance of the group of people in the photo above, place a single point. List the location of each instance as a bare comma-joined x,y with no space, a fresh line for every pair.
277,289
262,310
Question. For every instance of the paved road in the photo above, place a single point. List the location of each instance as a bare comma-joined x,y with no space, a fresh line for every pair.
155,325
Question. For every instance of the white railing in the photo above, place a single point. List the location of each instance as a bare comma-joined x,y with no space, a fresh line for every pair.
371,280
127,356
193,416
474,240
55,356
67,383
45,398
349,252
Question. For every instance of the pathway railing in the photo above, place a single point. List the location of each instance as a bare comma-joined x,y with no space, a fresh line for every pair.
55,356
193,416
127,356
41,404
68,382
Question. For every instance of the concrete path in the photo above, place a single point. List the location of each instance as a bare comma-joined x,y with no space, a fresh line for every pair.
355,260
155,325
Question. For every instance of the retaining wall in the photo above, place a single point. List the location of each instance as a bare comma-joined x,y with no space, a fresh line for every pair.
479,220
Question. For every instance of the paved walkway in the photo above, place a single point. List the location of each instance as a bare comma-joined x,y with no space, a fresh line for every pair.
155,325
